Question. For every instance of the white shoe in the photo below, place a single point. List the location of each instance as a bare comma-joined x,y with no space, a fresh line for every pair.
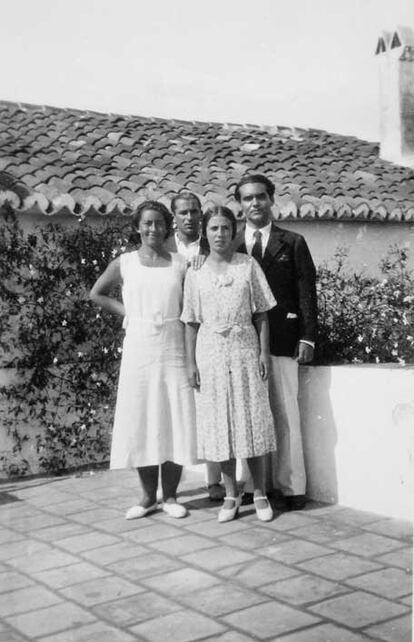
136,512
173,509
227,514
263,514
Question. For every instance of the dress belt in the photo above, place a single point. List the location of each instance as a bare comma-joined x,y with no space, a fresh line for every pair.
226,328
155,323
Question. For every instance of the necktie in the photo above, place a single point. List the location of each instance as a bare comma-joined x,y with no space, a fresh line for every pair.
257,249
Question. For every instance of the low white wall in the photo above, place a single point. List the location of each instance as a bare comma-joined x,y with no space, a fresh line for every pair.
358,431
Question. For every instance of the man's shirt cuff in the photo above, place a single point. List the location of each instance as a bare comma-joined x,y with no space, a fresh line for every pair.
309,343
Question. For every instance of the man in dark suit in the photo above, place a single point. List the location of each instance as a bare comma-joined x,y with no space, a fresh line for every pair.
286,261
188,242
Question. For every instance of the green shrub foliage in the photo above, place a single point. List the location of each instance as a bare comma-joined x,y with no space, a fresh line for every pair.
66,352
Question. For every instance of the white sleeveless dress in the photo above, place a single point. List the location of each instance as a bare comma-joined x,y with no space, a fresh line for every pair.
155,411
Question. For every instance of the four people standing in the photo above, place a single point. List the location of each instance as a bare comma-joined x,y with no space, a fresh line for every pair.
227,345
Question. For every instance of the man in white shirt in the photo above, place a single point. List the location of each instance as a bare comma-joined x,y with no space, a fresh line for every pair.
286,261
188,242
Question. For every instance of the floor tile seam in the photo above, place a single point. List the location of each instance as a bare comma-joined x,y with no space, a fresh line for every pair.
100,565
59,549
270,638
364,558
305,605
58,592
390,620
292,533
327,577
179,600
170,556
373,593
124,576
32,610
330,543
14,630
395,549
59,631
39,582
295,562
332,537
83,607
183,607
338,625
153,547
357,629
55,544
406,538
361,627
307,608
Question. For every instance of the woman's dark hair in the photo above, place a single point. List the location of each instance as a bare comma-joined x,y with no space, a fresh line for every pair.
255,178
219,210
158,207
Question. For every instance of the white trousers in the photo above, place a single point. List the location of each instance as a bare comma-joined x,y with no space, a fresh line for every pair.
285,468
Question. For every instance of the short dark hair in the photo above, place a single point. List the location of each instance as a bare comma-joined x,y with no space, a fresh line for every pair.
219,210
255,178
184,195
158,207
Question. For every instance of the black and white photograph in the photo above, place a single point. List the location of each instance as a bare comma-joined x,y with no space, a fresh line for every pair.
206,320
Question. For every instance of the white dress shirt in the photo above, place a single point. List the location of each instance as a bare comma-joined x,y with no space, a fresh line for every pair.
187,250
249,237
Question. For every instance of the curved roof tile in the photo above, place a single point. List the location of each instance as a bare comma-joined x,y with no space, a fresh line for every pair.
83,162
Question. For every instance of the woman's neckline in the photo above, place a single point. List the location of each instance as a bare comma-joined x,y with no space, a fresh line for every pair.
227,265
167,262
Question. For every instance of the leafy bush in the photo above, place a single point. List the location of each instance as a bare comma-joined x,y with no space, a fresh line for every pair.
66,353
364,319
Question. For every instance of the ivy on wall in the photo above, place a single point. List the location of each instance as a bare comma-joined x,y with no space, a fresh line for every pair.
66,353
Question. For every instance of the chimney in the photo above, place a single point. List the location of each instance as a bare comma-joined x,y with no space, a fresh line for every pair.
395,51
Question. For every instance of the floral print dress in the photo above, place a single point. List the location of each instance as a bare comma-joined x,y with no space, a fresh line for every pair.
234,419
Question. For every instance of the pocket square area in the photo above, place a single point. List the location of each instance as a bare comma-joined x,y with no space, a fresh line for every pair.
291,315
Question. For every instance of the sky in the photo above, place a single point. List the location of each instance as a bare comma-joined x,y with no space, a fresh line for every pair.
302,63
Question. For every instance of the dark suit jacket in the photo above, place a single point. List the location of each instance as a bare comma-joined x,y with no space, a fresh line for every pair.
171,245
290,272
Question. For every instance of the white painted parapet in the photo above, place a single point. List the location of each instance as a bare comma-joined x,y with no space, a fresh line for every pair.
358,431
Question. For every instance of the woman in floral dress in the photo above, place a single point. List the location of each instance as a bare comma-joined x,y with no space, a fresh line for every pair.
225,304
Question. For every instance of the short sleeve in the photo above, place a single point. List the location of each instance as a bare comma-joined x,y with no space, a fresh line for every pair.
191,305
261,294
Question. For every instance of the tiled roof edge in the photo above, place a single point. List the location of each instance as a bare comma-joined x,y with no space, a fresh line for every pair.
300,210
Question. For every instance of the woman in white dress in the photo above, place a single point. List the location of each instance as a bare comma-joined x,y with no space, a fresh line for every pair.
154,423
225,304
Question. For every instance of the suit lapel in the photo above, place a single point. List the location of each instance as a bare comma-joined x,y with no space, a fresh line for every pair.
273,247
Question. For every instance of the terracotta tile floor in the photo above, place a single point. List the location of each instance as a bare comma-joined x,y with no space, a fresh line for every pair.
72,569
